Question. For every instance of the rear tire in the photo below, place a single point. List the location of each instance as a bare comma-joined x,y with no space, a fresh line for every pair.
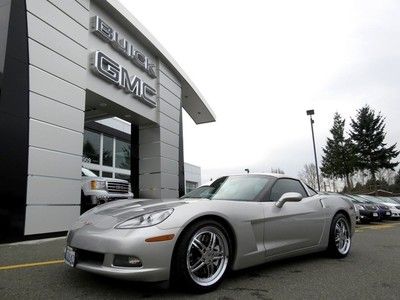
339,237
201,257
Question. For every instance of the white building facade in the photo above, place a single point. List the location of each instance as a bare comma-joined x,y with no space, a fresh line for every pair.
63,66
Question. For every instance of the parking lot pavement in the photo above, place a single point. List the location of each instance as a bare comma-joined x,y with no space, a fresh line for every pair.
372,270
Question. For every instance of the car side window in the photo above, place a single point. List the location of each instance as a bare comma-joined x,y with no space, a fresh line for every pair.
286,185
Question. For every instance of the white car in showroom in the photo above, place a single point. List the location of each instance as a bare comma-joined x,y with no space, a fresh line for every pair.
98,190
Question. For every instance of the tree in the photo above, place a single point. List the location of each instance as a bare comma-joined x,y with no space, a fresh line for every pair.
309,175
338,159
368,136
386,175
397,178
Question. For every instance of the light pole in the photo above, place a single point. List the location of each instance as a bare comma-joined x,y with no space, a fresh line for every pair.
310,113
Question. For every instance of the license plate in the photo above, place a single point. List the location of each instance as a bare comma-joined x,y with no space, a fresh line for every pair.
388,213
375,214
70,257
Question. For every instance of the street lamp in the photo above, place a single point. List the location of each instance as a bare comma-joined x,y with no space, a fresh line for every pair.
310,113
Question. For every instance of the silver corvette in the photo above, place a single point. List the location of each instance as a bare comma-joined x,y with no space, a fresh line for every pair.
236,222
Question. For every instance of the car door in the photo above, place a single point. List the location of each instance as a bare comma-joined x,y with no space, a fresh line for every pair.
294,226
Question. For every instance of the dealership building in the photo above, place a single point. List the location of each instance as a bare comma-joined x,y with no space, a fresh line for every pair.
83,83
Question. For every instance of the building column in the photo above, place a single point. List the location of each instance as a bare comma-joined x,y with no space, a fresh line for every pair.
159,144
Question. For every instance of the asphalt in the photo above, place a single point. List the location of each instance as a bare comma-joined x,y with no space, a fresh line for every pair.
372,270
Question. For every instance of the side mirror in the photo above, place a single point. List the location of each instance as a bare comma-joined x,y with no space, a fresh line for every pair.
288,197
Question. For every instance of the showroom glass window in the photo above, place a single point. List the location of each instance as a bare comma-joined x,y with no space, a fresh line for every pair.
122,155
106,155
123,176
190,186
106,174
286,185
108,150
91,147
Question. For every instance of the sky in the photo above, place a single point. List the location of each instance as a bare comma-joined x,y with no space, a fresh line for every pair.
261,64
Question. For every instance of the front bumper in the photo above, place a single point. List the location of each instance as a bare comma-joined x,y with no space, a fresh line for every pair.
395,213
367,215
385,214
155,256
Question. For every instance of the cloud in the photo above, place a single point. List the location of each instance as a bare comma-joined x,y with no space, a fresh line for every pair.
262,64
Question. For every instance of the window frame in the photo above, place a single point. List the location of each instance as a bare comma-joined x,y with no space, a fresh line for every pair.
100,167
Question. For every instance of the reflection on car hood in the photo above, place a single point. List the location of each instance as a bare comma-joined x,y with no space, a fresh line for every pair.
110,214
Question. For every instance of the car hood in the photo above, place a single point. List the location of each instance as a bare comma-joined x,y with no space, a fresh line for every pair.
112,213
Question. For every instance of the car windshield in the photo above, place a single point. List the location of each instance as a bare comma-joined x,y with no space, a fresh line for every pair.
396,199
88,173
355,201
237,188
204,191
370,199
358,198
387,200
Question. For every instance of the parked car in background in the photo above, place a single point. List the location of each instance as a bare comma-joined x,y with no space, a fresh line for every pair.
384,210
98,190
393,205
368,212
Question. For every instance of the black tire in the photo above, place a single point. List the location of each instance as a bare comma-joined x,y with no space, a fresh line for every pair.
334,248
180,275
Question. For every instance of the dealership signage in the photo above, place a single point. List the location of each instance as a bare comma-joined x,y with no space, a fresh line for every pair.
110,70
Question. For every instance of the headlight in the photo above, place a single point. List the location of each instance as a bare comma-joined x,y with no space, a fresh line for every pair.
360,207
146,220
97,185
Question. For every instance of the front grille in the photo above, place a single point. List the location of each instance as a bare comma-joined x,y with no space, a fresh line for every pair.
89,257
118,187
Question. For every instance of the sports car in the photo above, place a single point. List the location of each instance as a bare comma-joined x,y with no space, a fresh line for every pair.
237,222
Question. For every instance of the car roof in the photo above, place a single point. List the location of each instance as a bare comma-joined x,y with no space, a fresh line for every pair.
264,174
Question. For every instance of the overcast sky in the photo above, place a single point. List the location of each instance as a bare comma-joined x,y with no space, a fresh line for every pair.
261,64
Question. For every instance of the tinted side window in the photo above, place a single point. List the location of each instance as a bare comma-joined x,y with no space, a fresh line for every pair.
285,185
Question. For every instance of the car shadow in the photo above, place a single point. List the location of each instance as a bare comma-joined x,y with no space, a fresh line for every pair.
116,288
270,267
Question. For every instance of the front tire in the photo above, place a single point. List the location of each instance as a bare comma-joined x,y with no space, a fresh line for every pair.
202,257
339,237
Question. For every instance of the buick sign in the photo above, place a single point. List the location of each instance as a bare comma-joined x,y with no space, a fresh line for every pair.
108,69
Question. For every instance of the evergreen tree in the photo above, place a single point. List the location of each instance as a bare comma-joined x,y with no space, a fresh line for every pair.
397,178
368,136
338,159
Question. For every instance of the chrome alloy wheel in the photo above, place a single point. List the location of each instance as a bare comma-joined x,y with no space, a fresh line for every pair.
342,236
207,256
